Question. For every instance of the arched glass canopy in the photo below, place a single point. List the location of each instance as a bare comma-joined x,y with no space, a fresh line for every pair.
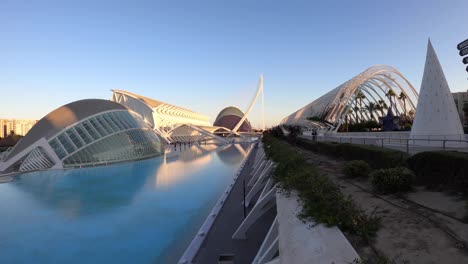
367,96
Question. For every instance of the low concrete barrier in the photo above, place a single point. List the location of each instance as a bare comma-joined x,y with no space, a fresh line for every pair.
304,243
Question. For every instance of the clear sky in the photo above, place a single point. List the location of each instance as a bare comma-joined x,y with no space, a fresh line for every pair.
205,55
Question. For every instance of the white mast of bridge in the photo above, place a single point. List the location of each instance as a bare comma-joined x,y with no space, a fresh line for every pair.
254,100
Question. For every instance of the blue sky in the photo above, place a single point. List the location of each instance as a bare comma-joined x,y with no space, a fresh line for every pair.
205,55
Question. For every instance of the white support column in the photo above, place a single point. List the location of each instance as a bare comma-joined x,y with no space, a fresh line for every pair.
267,187
259,184
261,207
259,157
267,168
269,245
259,168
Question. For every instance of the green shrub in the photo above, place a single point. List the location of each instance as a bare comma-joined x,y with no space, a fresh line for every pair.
376,157
322,199
275,131
441,168
356,168
394,180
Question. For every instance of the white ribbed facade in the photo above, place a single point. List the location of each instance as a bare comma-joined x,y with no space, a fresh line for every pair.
333,108
171,123
157,114
83,133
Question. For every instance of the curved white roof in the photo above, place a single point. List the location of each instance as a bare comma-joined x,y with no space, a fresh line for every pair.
374,83
62,117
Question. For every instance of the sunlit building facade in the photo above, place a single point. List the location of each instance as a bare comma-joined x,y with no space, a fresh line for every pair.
83,133
17,126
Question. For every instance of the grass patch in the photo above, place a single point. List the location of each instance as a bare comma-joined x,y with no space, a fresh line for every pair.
322,199
394,180
356,168
376,157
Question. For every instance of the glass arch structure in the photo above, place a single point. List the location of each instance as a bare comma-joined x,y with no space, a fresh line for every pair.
105,138
84,133
381,86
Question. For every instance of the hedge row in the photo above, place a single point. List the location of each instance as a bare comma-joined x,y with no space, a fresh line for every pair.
322,199
376,157
441,169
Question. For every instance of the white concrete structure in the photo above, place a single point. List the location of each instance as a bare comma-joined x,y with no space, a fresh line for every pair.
254,100
301,243
294,240
170,122
177,124
347,102
437,116
83,133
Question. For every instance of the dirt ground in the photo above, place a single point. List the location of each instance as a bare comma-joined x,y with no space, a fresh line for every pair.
422,227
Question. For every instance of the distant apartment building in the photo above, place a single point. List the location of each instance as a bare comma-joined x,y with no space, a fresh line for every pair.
461,98
19,127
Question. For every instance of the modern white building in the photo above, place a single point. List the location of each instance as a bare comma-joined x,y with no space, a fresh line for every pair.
83,133
172,123
176,124
379,86
437,116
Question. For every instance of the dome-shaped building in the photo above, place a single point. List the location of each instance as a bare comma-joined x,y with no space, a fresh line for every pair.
83,133
229,117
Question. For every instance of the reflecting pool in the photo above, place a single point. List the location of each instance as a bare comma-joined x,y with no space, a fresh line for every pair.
140,212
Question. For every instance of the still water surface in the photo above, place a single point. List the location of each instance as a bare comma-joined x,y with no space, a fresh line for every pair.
139,212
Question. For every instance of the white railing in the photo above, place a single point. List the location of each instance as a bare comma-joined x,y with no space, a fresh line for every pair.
409,145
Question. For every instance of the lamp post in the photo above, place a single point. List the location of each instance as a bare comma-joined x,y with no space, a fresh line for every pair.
463,50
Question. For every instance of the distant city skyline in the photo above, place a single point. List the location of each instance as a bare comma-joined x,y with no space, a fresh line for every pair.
208,55
18,126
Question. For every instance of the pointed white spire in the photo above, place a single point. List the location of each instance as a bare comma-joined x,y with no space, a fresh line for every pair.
436,113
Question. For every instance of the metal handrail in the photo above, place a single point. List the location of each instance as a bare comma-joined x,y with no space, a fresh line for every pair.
390,139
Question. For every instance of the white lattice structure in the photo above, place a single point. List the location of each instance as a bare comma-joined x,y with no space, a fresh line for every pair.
177,124
331,110
437,116
83,133
157,114
171,123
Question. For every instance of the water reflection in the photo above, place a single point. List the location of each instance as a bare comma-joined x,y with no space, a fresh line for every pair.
182,163
84,191
129,212
230,154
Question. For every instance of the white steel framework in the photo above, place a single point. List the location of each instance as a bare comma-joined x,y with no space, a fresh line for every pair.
380,85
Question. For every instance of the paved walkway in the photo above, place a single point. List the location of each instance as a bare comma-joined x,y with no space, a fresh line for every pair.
219,240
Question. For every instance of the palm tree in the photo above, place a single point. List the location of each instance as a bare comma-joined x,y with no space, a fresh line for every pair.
360,96
411,114
382,107
350,111
390,94
403,98
356,110
371,107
